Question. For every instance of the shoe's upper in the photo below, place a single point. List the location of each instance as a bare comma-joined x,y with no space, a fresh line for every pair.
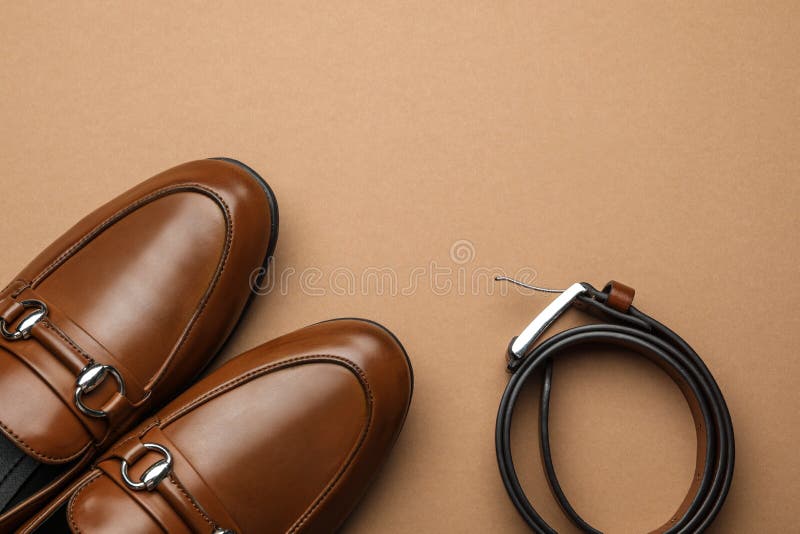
284,438
140,294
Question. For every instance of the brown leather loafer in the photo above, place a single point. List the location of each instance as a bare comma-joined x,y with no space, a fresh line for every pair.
284,438
118,315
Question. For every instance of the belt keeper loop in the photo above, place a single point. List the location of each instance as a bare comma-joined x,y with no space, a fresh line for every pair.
619,296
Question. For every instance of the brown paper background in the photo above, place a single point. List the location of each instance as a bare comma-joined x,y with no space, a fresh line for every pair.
654,143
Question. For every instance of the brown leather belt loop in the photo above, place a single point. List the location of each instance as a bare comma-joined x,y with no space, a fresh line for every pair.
620,296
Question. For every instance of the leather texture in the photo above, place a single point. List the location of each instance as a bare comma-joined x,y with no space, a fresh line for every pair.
152,284
283,438
628,328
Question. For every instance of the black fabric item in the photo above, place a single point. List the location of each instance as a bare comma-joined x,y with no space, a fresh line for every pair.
646,336
15,468
21,476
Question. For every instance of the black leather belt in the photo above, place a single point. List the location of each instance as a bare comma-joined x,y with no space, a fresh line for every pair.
631,329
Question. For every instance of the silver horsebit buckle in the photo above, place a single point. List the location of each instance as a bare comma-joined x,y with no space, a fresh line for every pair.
154,474
23,330
90,378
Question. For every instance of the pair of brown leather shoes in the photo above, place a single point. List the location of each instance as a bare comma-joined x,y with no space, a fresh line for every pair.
120,315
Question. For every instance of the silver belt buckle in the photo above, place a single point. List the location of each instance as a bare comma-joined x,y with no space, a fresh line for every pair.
523,342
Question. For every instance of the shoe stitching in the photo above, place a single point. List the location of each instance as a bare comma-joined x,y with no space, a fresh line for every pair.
229,237
127,210
255,373
233,384
19,290
71,505
105,224
60,333
192,502
109,221
322,498
21,442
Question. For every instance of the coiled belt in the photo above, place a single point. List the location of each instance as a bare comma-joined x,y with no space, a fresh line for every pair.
631,329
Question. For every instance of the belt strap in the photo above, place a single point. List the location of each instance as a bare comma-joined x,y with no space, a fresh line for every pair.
640,333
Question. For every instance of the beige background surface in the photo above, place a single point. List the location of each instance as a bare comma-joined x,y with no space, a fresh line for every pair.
654,143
